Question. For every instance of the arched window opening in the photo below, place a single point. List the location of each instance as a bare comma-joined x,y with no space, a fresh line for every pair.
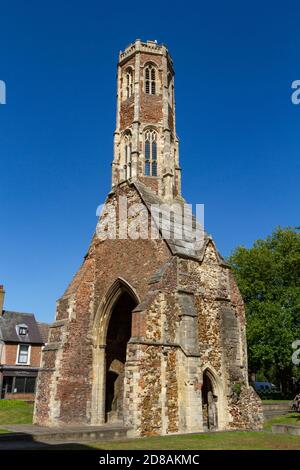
117,337
150,80
112,329
170,89
209,403
127,157
150,153
129,83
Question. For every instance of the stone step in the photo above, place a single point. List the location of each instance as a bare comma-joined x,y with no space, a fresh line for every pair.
277,412
277,406
286,429
68,433
272,410
274,413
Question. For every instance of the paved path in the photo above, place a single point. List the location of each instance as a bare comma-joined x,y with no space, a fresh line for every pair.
42,430
29,436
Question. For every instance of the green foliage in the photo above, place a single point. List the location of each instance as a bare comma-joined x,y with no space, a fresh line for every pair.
237,388
268,276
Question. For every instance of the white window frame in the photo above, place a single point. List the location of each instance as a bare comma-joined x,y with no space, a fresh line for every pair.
23,328
21,325
28,357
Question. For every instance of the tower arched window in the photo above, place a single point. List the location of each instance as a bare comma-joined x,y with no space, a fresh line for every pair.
127,157
170,89
150,144
150,80
129,82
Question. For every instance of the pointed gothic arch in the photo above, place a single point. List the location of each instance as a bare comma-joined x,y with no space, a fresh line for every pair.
127,83
150,151
211,384
111,333
126,152
150,78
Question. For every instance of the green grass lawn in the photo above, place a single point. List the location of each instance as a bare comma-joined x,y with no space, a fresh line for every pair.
15,412
237,440
292,418
207,441
20,412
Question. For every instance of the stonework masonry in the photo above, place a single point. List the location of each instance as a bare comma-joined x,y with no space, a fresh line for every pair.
148,329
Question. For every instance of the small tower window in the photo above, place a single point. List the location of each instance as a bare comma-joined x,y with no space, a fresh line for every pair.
129,83
150,153
127,156
170,89
150,80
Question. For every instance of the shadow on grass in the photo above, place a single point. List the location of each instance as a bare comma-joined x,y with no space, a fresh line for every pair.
235,440
23,441
70,446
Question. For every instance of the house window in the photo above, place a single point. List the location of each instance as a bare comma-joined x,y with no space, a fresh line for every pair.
18,385
150,80
24,385
150,153
23,354
23,330
30,385
8,384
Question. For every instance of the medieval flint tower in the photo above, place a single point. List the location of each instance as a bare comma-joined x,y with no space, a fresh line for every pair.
146,145
150,333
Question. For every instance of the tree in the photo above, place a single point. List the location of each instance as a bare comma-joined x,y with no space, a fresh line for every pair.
268,276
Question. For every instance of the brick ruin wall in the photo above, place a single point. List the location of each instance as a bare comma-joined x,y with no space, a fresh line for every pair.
169,348
153,396
67,360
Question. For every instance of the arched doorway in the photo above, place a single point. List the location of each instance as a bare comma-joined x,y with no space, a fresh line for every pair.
117,337
111,333
209,402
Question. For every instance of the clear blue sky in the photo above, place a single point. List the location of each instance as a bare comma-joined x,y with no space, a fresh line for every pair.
239,131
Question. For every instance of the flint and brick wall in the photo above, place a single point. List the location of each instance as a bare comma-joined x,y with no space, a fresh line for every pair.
190,319
70,384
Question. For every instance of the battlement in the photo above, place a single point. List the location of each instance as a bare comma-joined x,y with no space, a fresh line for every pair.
149,47
146,147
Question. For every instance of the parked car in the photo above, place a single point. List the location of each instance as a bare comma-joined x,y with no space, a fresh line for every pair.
265,387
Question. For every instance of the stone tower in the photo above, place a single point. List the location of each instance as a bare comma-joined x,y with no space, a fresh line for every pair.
150,333
145,144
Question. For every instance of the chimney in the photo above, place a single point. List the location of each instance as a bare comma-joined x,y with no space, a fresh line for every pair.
2,294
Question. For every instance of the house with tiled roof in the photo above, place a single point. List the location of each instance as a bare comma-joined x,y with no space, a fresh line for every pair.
21,341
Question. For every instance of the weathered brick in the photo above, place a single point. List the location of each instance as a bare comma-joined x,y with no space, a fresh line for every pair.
142,333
